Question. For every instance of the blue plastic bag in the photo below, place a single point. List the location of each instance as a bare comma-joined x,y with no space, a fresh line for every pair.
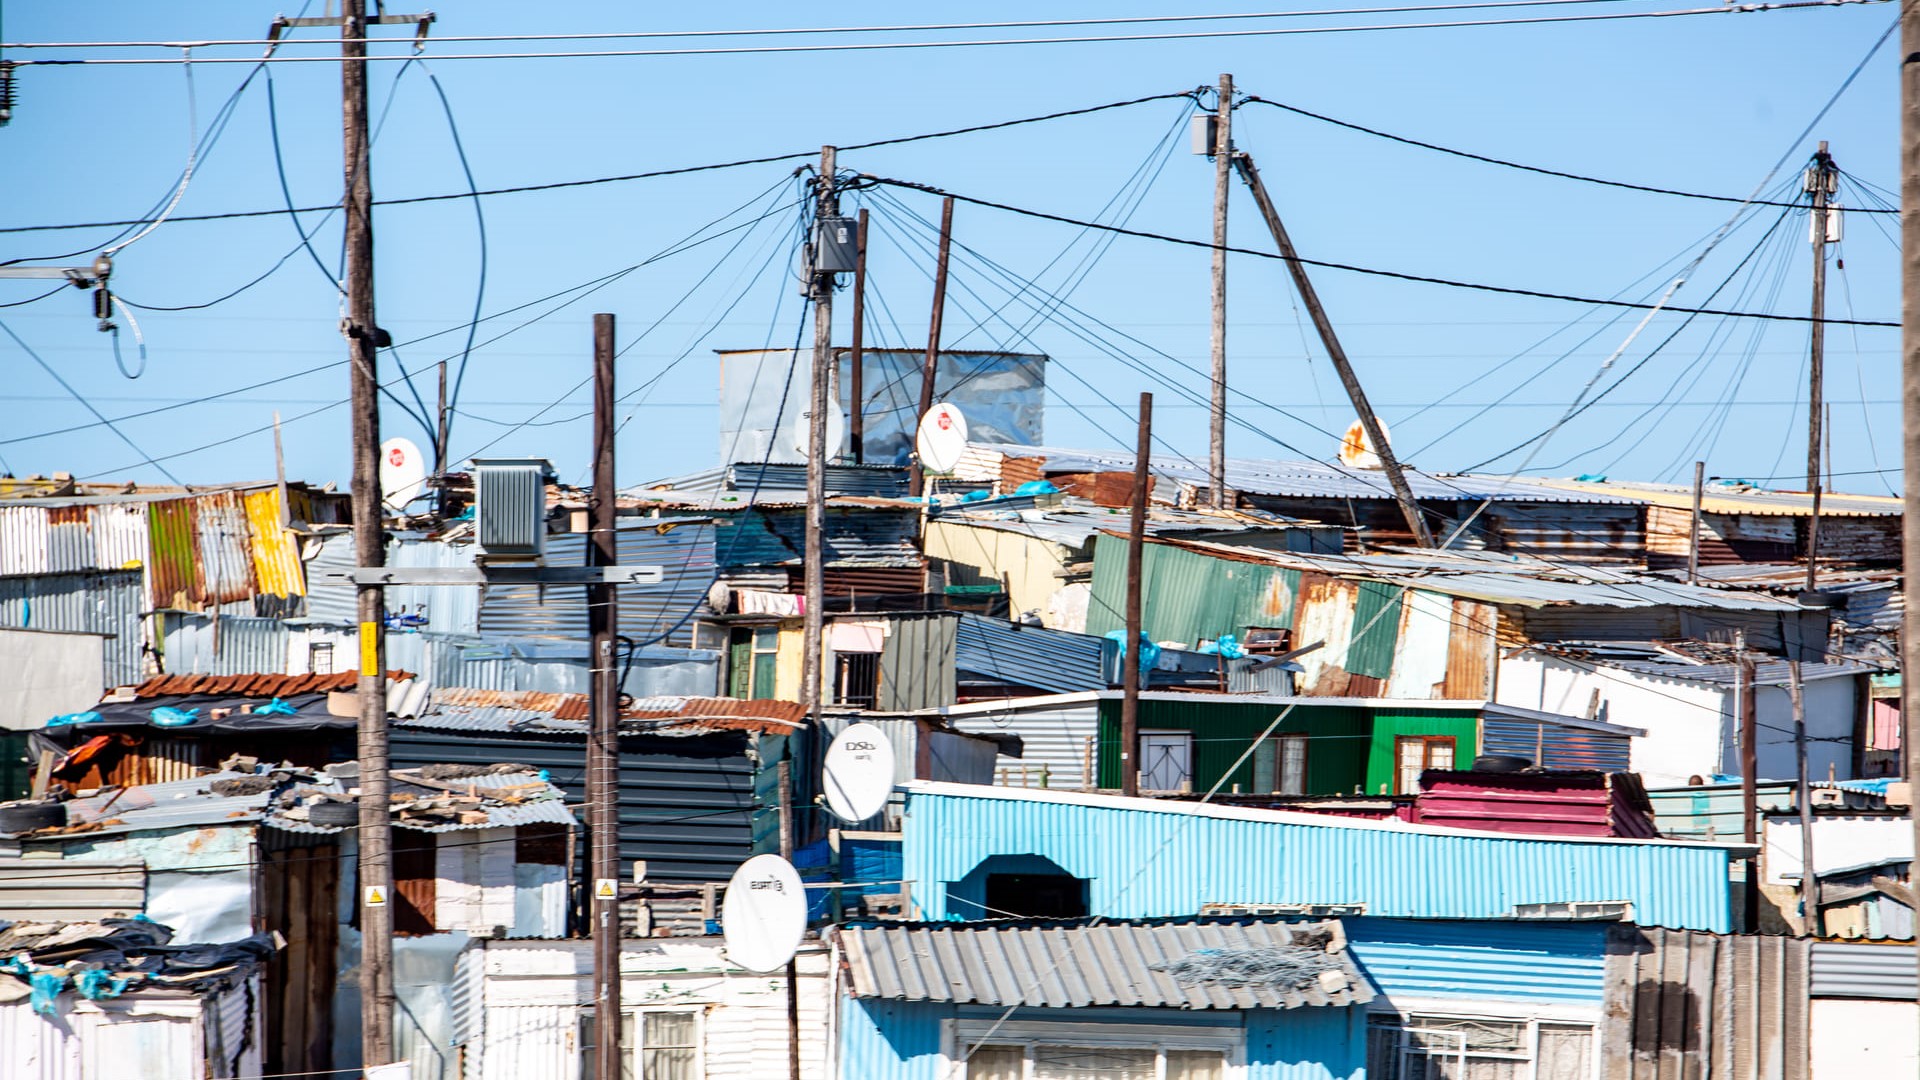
1037,487
46,988
168,716
1149,652
276,707
96,984
73,718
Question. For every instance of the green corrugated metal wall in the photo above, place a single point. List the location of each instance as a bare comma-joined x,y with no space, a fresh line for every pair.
1344,744
1376,629
1464,727
1190,597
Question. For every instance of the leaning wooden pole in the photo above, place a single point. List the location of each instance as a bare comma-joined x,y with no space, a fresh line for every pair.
931,368
1376,435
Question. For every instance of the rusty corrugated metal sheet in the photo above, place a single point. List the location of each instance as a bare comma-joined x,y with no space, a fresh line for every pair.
1586,532
707,712
252,685
1324,612
1699,1004
1471,650
222,542
170,560
276,551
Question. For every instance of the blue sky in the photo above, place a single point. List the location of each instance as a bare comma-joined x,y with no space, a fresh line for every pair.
1704,104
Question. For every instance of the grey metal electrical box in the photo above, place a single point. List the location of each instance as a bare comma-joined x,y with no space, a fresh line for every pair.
1205,128
836,245
510,506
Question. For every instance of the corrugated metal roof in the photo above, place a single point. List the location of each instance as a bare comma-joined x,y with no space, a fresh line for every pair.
1735,497
470,709
1301,479
105,602
1207,853
1650,658
1075,523
1034,656
542,807
251,685
178,804
853,535
1851,970
1079,966
684,552
1506,579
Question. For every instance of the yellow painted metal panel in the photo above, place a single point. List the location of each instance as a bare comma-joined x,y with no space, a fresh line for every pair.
277,569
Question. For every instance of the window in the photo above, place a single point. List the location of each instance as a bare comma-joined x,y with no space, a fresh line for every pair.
1280,765
856,679
668,1048
1415,754
756,653
1065,1061
1424,1047
320,658
1036,896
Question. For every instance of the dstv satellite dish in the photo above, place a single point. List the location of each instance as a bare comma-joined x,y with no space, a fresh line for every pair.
801,432
942,438
403,473
764,914
859,773
1356,450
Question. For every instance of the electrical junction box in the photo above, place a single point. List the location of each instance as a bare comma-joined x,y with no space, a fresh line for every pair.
836,245
510,507
1205,131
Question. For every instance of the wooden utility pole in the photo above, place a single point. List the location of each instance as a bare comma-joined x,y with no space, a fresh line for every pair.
440,435
1813,542
1910,396
932,366
603,745
1222,183
819,401
1743,690
1693,536
1376,435
1809,882
1130,655
856,376
369,542
1822,179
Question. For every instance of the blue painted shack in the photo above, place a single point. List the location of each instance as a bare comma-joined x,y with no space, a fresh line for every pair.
1206,999
973,852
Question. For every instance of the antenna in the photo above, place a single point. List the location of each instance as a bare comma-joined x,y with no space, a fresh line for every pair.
403,473
942,438
858,773
764,914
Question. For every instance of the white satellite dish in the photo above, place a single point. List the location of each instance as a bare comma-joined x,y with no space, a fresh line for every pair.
764,914
859,773
942,438
1356,450
801,432
403,473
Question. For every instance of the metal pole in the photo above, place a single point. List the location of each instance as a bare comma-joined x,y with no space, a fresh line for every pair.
603,748
369,542
1368,422
1749,773
440,441
932,366
1821,180
1130,657
857,384
1222,182
1910,395
1809,882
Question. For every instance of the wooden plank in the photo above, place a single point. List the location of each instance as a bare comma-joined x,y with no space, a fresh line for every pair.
1794,1020
1702,952
1622,983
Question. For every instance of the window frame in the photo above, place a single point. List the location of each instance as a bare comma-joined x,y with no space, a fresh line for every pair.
1408,1014
958,1035
1427,743
635,1053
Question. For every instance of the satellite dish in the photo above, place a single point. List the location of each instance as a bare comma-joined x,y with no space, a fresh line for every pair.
942,438
403,473
1356,450
801,432
859,773
764,914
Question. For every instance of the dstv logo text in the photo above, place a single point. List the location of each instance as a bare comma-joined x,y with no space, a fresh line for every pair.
764,884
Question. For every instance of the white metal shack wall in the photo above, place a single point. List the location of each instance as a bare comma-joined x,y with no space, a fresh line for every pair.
1144,862
106,602
1056,743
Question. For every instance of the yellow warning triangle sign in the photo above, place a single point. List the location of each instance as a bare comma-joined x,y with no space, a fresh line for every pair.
605,889
376,896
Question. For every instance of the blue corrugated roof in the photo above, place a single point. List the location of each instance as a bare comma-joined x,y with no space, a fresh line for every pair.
1052,660
1146,858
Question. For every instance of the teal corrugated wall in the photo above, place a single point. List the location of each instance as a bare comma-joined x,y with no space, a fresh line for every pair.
1143,863
1307,1044
1188,596
890,1040
1564,963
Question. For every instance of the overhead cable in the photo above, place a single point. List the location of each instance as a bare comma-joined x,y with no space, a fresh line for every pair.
1426,279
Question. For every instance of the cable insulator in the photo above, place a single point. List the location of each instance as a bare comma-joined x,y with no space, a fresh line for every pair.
6,91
